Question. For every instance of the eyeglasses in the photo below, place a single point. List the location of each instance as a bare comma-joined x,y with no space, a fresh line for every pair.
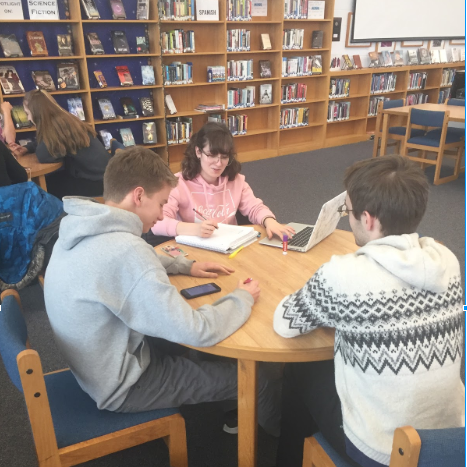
224,158
344,210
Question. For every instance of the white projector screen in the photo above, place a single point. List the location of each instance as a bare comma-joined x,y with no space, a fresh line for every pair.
379,20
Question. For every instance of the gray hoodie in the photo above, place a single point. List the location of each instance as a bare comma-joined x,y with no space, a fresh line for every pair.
106,289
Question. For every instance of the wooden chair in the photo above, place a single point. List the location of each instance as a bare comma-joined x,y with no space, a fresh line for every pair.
435,141
410,448
67,427
395,133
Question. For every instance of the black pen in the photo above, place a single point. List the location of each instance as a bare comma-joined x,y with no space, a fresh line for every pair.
202,217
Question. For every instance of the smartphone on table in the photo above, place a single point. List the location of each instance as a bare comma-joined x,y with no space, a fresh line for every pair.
200,290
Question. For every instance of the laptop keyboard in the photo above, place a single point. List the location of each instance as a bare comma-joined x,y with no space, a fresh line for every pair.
301,238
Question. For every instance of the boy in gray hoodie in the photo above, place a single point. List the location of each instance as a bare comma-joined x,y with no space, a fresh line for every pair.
108,298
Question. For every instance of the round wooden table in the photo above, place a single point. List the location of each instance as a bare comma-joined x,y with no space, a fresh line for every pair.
38,170
278,275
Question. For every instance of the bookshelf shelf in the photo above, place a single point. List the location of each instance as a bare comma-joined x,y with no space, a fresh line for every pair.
256,132
90,56
21,59
256,107
350,119
40,21
301,127
284,51
119,21
253,52
124,88
122,120
193,54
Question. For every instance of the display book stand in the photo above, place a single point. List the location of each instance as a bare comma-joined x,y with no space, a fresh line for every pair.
264,139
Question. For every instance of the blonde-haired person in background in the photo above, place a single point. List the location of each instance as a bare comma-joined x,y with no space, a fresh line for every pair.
62,136
7,127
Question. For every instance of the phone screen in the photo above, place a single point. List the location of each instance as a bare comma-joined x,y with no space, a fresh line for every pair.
200,290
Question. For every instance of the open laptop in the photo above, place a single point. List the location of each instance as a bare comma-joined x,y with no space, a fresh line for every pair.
307,236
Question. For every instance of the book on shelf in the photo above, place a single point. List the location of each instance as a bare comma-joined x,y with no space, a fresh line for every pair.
435,56
178,73
293,92
20,117
238,10
91,9
177,10
238,40
335,64
443,56
95,43
239,70
265,69
179,130
129,109
147,75
265,42
37,44
225,239
43,80
423,56
462,55
10,46
237,124
338,111
381,59
142,10
374,102
65,45
124,75
240,98
147,106
348,65
118,10
383,82
387,58
120,42
216,118
127,137
294,9
149,133
297,66
412,57
75,107
170,104
292,39
374,61
207,10
317,39
339,87
294,117
142,46
106,138
9,79
209,107
357,61
265,94
215,74
317,65
398,58
102,83
316,9
67,75
107,110
455,55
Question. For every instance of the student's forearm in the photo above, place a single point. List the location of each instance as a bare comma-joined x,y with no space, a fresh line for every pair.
188,228
9,129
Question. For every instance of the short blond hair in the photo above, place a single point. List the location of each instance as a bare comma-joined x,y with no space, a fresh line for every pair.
134,167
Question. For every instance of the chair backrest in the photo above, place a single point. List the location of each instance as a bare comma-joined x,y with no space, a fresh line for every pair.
13,335
393,104
442,447
459,102
426,118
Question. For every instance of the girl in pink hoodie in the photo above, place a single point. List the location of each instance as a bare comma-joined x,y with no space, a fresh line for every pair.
211,183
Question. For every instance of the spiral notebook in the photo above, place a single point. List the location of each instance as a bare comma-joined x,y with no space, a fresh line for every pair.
225,239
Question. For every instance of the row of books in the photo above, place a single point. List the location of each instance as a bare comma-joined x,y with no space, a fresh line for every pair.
176,10
417,80
383,82
239,70
119,42
118,10
304,9
129,108
374,102
238,40
292,39
448,76
416,98
443,95
241,97
338,111
177,41
293,92
216,73
149,135
238,10
339,87
179,130
294,117
302,66
178,73
37,45
237,124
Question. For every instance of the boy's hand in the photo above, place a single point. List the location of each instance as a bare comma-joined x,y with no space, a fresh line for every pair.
207,269
251,287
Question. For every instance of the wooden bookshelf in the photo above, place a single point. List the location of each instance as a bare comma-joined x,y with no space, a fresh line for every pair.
264,138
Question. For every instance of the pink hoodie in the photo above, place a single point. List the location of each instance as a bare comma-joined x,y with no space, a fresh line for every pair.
219,202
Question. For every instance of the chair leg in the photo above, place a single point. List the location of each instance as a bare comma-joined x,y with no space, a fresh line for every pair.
398,147
423,156
376,146
177,443
457,167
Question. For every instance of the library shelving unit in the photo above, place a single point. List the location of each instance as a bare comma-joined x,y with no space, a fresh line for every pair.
264,137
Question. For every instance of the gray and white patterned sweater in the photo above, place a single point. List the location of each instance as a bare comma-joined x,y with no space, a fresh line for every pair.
396,305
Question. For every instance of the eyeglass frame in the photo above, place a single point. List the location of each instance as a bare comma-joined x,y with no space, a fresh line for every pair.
343,210
217,158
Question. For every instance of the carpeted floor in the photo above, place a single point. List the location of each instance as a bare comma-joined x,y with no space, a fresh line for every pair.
294,187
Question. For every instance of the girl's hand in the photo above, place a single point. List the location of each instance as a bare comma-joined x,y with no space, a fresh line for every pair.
207,228
274,228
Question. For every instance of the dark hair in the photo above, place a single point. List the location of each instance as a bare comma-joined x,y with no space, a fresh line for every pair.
220,141
391,188
133,167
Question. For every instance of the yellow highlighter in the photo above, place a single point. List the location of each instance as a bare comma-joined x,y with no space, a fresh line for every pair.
232,255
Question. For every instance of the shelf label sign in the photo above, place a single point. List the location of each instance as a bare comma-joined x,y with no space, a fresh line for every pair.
43,9
11,9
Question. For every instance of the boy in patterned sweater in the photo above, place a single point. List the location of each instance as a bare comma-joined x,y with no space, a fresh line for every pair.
396,305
